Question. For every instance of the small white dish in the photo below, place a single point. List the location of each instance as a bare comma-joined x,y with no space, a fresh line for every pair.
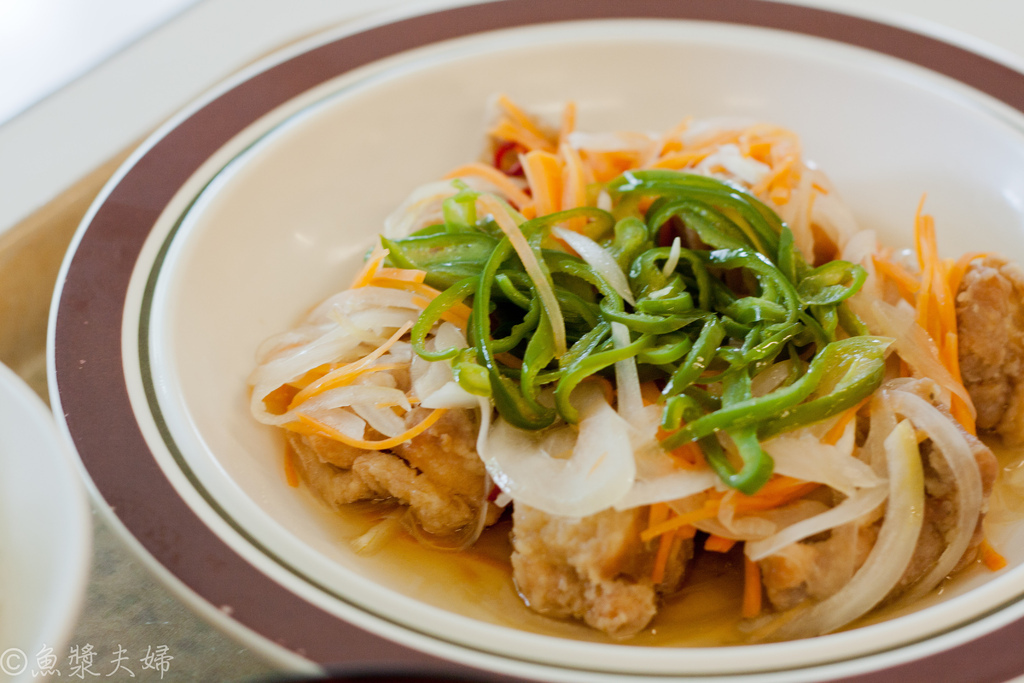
259,200
45,533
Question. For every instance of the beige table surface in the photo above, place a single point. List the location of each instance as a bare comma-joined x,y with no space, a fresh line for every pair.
54,159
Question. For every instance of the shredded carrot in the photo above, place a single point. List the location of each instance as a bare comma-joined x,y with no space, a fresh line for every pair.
346,373
906,283
568,122
544,174
330,432
520,119
836,432
513,132
936,306
369,268
777,492
574,185
992,559
278,400
718,544
752,594
665,544
956,273
649,393
400,274
290,475
513,193
707,511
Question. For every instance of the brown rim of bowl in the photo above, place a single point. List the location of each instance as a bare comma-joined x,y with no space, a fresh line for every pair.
86,354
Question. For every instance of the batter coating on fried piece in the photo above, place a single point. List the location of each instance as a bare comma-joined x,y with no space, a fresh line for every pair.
990,319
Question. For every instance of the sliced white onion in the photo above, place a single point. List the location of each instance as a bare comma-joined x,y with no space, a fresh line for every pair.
347,423
450,395
383,420
672,486
769,380
367,298
891,554
915,347
385,320
421,208
832,214
673,257
598,258
424,205
337,398
851,509
759,525
597,473
730,159
429,377
807,458
627,380
545,293
950,442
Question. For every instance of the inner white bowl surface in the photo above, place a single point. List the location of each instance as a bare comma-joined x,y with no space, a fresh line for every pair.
286,223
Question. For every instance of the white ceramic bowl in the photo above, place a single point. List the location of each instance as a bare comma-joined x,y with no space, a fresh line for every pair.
258,202
45,532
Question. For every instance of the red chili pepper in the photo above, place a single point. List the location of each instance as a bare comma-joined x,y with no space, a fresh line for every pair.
506,158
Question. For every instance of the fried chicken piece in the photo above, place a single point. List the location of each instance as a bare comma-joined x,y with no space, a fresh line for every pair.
990,320
818,568
437,474
593,568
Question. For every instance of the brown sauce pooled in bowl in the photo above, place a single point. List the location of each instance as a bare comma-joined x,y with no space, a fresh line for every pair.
477,582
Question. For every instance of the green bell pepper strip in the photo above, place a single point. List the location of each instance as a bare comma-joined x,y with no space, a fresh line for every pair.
646,276
679,410
711,226
850,321
828,318
459,210
682,303
668,349
505,394
542,225
778,404
470,375
759,223
432,314
757,468
612,306
755,309
631,239
508,288
428,251
708,401
698,359
586,345
757,465
588,365
764,348
855,377
540,351
831,283
768,276
790,261
519,331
